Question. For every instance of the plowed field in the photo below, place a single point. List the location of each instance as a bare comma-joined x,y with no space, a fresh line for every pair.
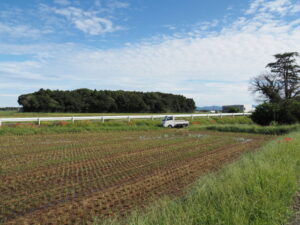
73,178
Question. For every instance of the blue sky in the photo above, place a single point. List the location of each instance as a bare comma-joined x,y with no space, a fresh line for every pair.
206,50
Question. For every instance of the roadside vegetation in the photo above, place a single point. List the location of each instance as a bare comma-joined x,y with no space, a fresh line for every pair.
77,127
255,129
110,125
258,189
225,124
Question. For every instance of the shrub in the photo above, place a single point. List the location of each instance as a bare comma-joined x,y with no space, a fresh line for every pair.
286,112
289,112
265,113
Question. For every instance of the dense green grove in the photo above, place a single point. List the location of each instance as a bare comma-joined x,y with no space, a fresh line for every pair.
93,101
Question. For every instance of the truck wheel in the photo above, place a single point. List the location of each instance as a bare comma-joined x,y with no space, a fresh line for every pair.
170,126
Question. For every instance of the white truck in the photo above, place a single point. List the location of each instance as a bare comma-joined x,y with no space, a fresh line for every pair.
169,121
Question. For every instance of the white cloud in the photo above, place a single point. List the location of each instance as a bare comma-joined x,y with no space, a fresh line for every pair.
98,3
236,54
296,8
280,7
62,2
212,69
254,6
87,21
118,4
21,31
20,70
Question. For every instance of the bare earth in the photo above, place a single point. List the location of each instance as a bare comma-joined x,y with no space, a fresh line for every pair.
72,178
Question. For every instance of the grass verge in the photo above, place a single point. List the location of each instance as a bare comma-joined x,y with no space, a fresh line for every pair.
79,126
272,130
93,126
258,189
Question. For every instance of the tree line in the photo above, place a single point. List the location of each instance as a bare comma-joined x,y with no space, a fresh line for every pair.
104,101
279,88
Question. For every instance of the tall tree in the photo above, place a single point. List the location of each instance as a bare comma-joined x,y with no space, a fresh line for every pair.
283,81
287,70
267,86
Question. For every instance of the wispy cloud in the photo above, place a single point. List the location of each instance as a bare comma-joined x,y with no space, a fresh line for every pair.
280,7
21,70
118,4
87,21
62,2
19,31
43,19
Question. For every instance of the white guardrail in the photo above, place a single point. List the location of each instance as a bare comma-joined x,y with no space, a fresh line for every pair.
103,118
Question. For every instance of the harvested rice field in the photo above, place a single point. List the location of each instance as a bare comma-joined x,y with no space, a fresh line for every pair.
74,178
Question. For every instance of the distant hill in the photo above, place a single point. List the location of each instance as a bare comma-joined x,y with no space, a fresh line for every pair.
209,108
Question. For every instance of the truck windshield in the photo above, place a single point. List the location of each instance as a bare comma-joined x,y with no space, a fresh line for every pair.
168,118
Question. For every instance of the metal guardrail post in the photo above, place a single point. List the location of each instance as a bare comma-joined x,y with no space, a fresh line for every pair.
128,118
73,120
0,123
39,121
102,119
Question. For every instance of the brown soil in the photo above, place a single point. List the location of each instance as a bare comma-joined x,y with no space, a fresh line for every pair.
109,178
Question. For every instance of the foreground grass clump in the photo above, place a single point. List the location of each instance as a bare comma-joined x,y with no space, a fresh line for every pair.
273,130
258,189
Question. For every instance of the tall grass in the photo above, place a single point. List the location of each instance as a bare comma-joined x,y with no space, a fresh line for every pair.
109,125
221,120
273,130
78,126
256,190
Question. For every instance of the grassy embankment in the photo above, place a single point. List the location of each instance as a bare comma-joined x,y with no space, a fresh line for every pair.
254,129
109,125
258,189
240,124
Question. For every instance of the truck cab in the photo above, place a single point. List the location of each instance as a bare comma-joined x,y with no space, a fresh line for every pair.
169,121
